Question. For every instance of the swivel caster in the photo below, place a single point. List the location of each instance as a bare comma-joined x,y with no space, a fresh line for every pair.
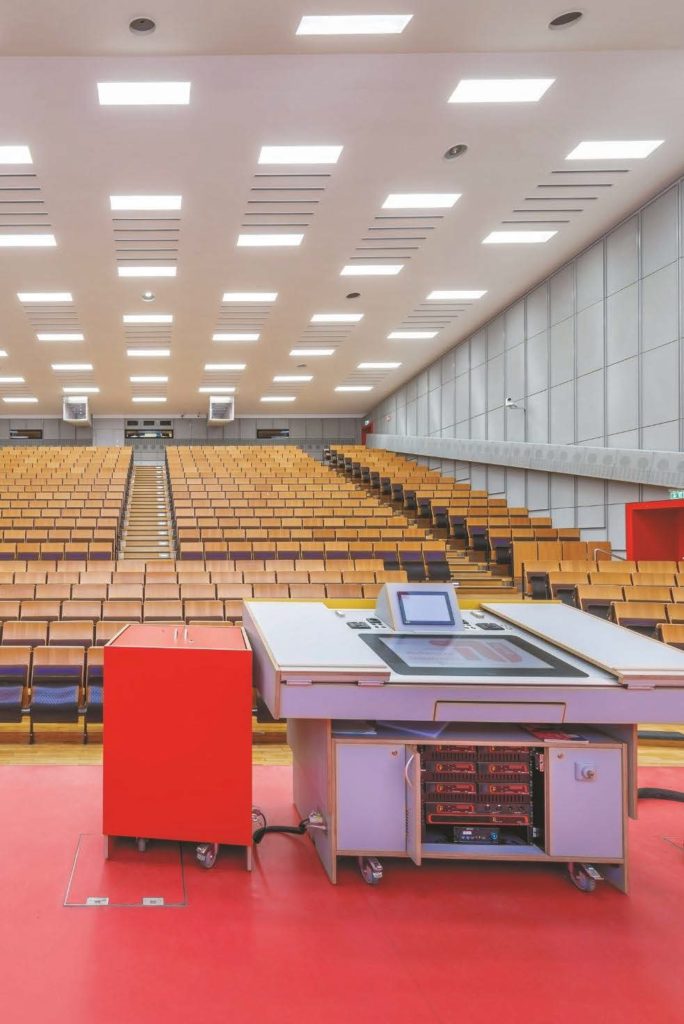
371,870
141,844
206,854
258,819
584,876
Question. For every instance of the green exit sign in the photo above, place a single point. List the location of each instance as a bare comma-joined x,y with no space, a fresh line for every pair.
677,495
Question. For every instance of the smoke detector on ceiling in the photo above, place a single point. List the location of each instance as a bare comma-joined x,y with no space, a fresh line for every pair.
142,26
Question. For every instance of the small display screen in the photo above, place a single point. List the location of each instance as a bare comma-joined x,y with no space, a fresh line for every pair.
425,608
469,655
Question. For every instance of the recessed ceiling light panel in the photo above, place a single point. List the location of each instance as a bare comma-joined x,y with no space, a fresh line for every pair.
235,336
15,155
12,380
353,24
148,398
52,336
16,400
277,398
146,271
355,387
292,379
149,380
216,391
225,367
411,335
45,297
336,318
299,154
371,270
455,295
148,318
78,389
312,351
378,366
262,241
145,202
148,353
75,367
517,237
421,200
27,242
635,149
249,296
500,90
143,94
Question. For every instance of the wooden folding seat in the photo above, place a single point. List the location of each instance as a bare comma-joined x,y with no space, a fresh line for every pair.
98,551
156,567
672,634
77,632
639,616
307,591
8,552
203,611
40,611
125,592
216,551
259,577
677,594
391,576
162,591
597,598
271,591
292,577
653,579
6,579
198,592
130,565
563,586
356,576
122,611
56,685
89,592
675,612
657,567
107,630
17,592
30,552
371,590
53,591
660,594
9,610
24,632
163,611
233,610
64,579
15,664
285,565
191,551
604,565
614,579
234,591
233,576
171,578
344,590
52,549
30,577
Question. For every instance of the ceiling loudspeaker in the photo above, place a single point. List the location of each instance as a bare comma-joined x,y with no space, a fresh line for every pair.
75,409
221,410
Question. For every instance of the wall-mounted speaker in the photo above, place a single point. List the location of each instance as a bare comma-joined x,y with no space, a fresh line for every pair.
75,410
221,410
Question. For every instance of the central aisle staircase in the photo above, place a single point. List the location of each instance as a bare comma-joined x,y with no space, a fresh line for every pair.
147,529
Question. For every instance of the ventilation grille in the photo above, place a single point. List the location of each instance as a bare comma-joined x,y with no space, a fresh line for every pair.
22,207
242,317
52,317
221,410
325,335
395,237
564,195
283,203
146,239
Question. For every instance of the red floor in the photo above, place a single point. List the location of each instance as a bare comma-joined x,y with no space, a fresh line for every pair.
433,945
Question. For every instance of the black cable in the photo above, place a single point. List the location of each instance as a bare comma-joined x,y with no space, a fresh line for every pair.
294,830
653,793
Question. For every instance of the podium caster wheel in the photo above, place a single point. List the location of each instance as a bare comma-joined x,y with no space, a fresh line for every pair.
206,854
258,818
583,876
371,870
141,844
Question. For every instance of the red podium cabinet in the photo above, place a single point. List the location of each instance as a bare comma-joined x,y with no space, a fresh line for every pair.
178,736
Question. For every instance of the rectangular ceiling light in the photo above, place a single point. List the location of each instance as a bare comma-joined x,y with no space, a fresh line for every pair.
226,367
216,391
455,296
249,296
76,367
378,366
3,354
45,296
312,351
411,335
80,390
371,270
148,398
277,398
234,336
15,155
148,353
420,200
517,237
148,318
353,24
27,242
299,154
245,240
292,379
633,150
500,90
336,318
146,271
141,94
16,399
355,387
145,202
12,380
51,336
149,380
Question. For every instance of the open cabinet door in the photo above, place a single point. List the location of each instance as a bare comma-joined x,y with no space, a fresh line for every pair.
413,804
